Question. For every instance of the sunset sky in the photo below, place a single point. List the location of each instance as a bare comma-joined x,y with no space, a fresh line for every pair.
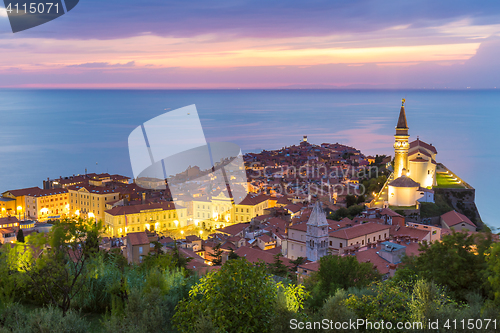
258,44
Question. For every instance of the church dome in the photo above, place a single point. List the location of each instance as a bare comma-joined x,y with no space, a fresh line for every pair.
404,181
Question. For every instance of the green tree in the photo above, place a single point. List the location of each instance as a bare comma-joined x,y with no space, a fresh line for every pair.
387,301
20,236
239,297
493,261
350,200
427,300
336,272
350,212
55,262
180,260
457,262
296,263
277,267
232,255
217,254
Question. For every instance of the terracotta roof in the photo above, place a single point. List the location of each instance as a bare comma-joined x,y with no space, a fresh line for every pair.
166,240
47,192
277,223
7,230
346,220
228,246
299,226
390,212
294,208
135,209
8,219
192,238
310,266
138,238
253,255
274,250
404,181
419,160
371,256
411,232
283,201
233,229
419,150
266,238
419,143
94,189
358,230
25,191
358,220
252,199
453,218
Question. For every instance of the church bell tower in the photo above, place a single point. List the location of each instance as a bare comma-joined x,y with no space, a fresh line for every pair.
317,234
401,145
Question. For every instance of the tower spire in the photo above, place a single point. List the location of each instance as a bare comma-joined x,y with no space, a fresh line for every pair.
401,145
402,116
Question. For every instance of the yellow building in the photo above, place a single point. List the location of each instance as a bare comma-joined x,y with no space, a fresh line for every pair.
158,217
35,203
48,204
202,211
219,211
19,207
90,201
7,206
422,163
222,210
414,167
401,145
252,206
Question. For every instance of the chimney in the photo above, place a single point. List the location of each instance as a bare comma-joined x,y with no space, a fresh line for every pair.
392,269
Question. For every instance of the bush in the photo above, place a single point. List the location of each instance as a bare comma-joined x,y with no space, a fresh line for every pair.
16,319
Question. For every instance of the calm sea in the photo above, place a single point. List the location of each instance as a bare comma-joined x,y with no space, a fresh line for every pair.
52,133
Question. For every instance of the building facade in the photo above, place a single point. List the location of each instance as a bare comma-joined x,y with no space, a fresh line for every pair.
158,217
317,234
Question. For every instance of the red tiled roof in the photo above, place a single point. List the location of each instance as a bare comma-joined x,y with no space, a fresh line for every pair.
411,232
311,266
358,219
8,219
7,230
453,218
421,151
94,189
266,238
25,191
358,230
253,255
47,192
371,255
274,250
166,240
252,199
404,181
135,209
283,201
389,212
233,229
420,143
138,238
294,208
192,238
299,226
